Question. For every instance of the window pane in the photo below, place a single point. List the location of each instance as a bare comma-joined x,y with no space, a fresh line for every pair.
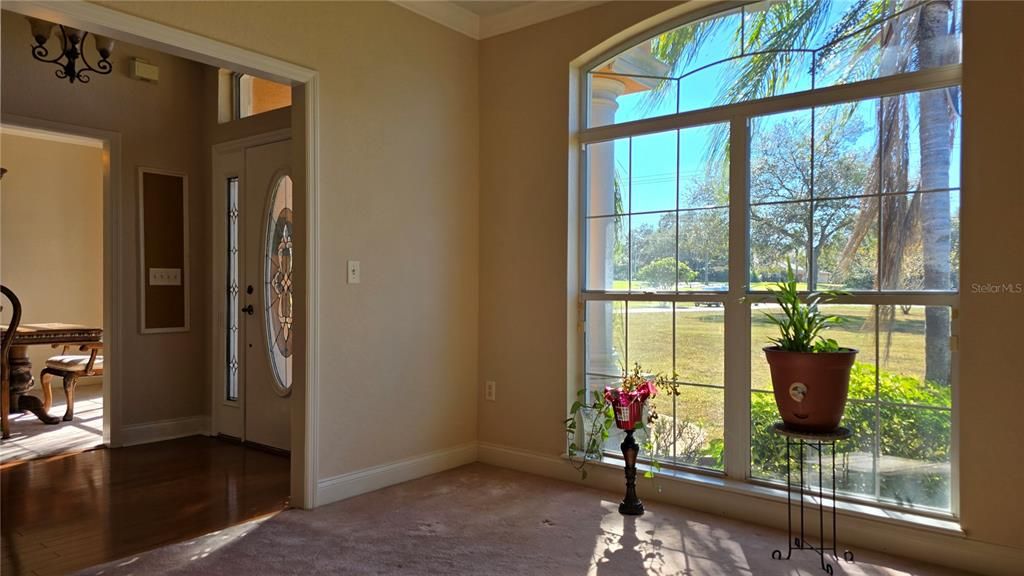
595,391
780,157
649,336
713,39
761,329
778,234
765,21
277,290
767,449
704,166
846,149
606,337
253,95
700,343
694,435
856,464
921,241
850,56
845,244
607,253
653,252
928,156
608,173
704,250
232,303
857,330
915,360
914,468
859,49
711,86
640,94
653,172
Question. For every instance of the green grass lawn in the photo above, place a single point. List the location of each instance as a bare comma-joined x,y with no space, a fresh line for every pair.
699,350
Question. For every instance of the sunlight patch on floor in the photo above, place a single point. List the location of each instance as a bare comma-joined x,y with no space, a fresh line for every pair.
31,439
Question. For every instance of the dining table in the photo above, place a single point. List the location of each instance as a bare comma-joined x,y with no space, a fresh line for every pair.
21,380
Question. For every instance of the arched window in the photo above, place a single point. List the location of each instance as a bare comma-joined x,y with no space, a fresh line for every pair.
821,134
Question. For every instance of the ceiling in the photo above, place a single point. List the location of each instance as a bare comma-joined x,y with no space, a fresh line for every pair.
484,8
485,18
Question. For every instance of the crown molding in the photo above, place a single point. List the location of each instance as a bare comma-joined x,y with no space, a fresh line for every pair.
478,27
446,14
530,14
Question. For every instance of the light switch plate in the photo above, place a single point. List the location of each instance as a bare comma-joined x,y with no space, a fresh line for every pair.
353,271
165,276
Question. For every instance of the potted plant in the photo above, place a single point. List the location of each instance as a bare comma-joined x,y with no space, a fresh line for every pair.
623,405
810,373
589,424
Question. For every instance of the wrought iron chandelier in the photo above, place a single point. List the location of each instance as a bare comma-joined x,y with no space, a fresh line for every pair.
71,62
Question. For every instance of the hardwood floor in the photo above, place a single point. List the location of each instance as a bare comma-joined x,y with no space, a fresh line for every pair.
65,513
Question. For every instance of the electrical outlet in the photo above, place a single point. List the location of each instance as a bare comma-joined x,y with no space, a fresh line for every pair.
353,271
490,390
165,276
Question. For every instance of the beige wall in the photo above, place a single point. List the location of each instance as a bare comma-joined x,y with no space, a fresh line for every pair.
51,233
524,206
991,364
398,169
160,125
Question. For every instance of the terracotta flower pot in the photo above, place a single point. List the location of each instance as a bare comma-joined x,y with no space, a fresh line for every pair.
811,388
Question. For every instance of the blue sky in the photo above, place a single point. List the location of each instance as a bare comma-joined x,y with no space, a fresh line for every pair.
654,157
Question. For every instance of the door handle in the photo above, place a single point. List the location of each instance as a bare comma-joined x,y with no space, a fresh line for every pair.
249,310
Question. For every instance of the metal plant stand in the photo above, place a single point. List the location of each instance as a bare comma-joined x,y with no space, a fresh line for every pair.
817,442
631,504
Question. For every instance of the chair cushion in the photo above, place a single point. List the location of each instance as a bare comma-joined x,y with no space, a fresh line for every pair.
73,363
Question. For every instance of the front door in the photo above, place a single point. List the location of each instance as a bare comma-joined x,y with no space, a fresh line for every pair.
266,252
253,253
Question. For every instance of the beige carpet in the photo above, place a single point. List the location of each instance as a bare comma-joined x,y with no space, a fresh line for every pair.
479,519
30,438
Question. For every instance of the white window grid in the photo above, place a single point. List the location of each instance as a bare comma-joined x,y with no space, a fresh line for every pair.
738,299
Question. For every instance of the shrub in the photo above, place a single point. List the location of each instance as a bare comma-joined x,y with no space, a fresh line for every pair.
906,433
663,271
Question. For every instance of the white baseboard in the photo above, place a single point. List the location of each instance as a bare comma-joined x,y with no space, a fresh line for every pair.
716,496
376,477
133,434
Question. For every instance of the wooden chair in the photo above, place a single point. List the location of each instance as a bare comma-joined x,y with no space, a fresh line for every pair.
70,367
5,361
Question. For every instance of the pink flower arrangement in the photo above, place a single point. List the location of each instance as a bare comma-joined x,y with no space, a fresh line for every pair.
627,400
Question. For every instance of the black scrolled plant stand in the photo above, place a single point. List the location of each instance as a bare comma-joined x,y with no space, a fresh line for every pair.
817,442
631,504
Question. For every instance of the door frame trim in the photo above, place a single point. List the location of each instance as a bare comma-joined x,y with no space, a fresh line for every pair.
149,34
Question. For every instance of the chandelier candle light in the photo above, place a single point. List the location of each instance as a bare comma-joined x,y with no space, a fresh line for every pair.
71,62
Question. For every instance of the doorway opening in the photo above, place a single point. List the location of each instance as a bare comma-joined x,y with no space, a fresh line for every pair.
149,35
52,263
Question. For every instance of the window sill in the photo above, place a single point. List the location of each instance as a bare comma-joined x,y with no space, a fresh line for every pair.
947,526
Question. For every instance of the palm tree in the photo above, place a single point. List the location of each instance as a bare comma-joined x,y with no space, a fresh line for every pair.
882,37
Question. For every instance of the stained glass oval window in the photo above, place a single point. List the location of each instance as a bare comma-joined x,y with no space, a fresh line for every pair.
278,301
